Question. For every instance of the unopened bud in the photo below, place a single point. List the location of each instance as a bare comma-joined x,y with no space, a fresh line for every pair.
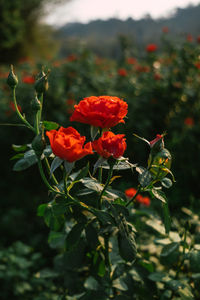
38,144
12,79
35,104
41,84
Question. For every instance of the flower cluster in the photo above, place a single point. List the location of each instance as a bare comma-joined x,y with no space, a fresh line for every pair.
103,112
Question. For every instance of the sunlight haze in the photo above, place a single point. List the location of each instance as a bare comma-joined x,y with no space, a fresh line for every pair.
88,10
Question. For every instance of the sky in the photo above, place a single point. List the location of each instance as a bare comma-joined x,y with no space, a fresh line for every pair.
87,10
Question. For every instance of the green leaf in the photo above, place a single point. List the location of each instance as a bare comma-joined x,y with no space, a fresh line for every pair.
50,125
91,284
144,177
194,259
186,293
120,165
41,209
56,239
29,159
167,219
127,246
120,284
82,173
101,268
170,254
68,166
157,276
103,216
55,164
17,156
91,235
158,195
156,225
74,235
166,182
20,148
93,132
92,184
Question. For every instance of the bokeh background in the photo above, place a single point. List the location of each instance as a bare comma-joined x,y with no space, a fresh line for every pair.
149,55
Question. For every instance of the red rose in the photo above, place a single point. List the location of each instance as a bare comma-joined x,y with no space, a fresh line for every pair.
165,29
28,79
130,193
189,121
102,111
143,200
122,72
67,144
151,48
110,145
131,60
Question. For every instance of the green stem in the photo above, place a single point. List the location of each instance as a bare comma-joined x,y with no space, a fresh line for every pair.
100,175
64,180
45,180
133,198
19,114
105,186
48,170
107,258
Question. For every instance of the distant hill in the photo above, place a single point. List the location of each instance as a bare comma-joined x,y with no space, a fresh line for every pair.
102,36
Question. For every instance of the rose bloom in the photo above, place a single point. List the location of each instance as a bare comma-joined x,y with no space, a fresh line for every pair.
197,65
143,200
68,144
102,111
130,193
157,76
189,38
151,48
131,60
122,72
142,69
165,29
189,121
28,79
110,145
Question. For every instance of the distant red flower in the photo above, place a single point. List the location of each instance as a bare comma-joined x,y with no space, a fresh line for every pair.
198,39
157,76
12,106
130,193
142,69
165,29
70,105
144,201
189,38
151,48
12,109
28,79
110,144
72,57
131,60
4,74
197,65
122,72
189,121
